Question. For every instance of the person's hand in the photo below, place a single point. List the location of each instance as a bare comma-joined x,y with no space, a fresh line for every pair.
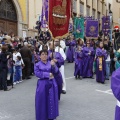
52,62
23,65
51,76
8,56
51,55
103,49
89,53
55,60
115,59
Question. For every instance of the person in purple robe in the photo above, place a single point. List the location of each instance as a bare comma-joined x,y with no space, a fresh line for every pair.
88,59
101,56
115,86
80,42
46,100
70,52
78,63
58,59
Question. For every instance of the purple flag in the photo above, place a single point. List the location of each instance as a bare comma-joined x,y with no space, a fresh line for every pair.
92,28
106,25
44,14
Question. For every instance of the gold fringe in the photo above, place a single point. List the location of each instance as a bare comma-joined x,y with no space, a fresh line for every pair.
100,63
95,38
58,37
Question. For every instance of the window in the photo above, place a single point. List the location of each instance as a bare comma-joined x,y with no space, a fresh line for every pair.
75,6
86,2
93,13
7,10
118,1
88,11
81,9
109,6
98,15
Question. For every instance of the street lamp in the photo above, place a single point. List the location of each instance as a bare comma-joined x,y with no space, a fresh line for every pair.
111,20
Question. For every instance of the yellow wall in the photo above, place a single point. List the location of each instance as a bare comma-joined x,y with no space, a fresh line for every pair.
23,6
35,8
116,12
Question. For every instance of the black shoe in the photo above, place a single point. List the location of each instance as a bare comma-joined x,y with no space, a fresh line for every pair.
32,74
103,82
28,78
1,88
92,77
7,89
63,92
76,77
23,78
107,79
80,77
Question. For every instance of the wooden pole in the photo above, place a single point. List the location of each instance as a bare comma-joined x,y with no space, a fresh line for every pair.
53,50
59,45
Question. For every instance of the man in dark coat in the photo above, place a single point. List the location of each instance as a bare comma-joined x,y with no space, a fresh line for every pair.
27,57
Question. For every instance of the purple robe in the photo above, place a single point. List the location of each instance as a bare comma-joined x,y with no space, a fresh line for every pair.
100,74
78,63
71,50
115,86
58,77
88,62
58,57
46,100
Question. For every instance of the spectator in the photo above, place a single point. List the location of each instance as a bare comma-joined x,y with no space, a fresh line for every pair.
27,57
3,68
18,70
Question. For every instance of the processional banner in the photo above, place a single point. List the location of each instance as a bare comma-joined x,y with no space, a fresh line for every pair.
92,28
106,25
79,27
59,12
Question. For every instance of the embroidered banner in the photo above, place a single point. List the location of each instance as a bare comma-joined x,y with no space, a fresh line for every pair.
79,27
59,16
92,28
106,25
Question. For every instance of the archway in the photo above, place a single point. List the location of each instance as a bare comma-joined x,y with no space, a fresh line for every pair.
10,17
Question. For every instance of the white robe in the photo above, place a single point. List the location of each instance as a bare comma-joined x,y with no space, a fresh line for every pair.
61,51
118,103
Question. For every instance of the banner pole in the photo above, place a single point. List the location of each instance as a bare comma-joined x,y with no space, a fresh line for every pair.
53,49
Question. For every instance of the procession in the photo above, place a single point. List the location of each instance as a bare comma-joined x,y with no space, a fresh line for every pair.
69,60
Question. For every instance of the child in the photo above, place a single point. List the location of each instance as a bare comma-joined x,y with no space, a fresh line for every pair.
18,70
101,56
78,63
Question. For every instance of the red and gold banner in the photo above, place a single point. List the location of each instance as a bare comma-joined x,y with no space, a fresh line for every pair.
59,16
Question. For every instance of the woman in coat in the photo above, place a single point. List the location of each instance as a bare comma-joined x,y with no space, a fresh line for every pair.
3,68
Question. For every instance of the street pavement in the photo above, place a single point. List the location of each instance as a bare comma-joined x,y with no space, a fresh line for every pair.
85,100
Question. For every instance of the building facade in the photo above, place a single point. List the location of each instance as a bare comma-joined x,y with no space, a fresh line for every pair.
20,16
13,18
116,13
97,8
